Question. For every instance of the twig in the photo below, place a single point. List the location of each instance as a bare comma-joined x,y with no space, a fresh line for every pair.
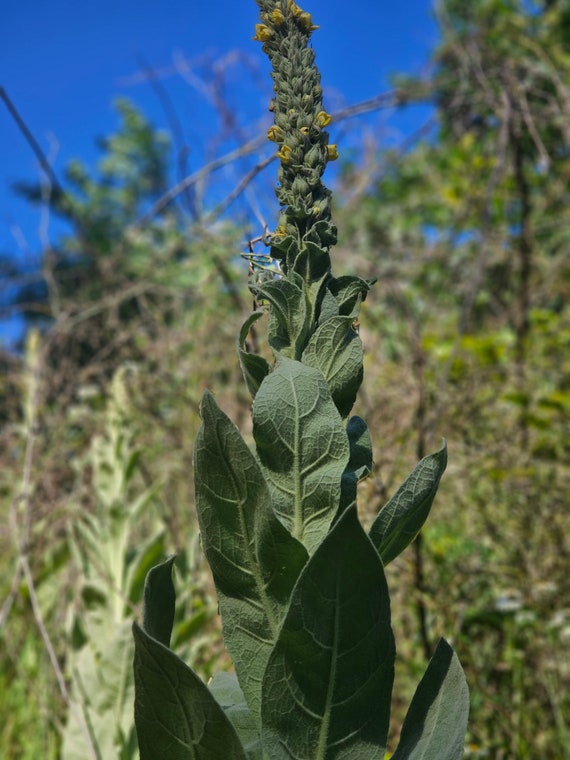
32,142
192,179
240,187
384,100
154,81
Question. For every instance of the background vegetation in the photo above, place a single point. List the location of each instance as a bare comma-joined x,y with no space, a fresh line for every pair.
467,335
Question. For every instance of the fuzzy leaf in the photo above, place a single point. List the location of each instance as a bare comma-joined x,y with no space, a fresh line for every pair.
303,447
360,461
328,683
311,262
176,716
436,721
402,517
287,316
254,560
350,291
159,601
328,307
226,689
253,366
336,350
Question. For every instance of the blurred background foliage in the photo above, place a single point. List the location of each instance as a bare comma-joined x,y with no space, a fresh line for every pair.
135,311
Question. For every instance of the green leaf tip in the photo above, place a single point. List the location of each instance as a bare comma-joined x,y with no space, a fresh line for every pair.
436,722
401,519
159,602
176,716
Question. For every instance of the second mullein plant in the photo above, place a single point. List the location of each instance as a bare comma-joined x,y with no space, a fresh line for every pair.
302,592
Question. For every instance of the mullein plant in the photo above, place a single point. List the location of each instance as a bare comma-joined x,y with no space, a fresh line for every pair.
302,592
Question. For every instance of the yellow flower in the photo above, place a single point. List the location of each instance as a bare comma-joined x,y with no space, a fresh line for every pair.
332,152
262,33
306,22
277,17
323,119
280,232
274,134
294,8
284,153
304,130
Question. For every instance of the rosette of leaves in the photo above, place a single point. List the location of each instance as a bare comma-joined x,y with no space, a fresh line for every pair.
302,593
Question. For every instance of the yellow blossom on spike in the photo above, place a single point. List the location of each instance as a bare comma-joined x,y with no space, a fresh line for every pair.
294,8
284,153
306,22
304,130
332,152
262,33
277,17
274,134
323,119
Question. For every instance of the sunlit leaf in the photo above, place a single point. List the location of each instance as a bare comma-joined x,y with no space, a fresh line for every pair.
336,349
303,447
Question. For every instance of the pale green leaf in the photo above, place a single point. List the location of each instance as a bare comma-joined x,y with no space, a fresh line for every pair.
303,447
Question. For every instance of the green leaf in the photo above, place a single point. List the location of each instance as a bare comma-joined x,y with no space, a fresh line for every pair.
287,328
436,722
350,291
336,350
226,689
159,601
254,559
303,447
328,683
328,307
253,366
311,262
176,715
360,461
402,517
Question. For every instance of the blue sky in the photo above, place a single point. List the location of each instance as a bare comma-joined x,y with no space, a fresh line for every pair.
63,63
